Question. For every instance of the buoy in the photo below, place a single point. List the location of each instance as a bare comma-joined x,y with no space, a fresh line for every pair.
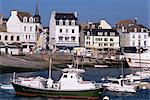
106,98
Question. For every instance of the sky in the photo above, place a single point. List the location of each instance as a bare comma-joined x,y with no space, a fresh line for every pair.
88,10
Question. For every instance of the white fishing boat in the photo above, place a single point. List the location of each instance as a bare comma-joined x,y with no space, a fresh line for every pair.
119,85
138,60
70,85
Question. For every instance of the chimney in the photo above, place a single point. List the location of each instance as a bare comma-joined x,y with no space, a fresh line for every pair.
75,14
14,13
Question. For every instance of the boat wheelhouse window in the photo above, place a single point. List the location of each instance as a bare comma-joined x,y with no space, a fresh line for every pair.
65,76
116,82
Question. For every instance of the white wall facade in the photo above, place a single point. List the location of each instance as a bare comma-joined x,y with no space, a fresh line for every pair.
26,30
99,42
135,39
66,32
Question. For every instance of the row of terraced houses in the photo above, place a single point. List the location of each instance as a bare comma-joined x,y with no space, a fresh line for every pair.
23,33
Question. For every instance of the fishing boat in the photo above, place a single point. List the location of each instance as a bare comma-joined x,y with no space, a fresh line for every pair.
138,60
70,85
119,85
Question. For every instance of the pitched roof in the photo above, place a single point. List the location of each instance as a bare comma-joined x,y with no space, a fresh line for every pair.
123,22
23,14
64,16
95,32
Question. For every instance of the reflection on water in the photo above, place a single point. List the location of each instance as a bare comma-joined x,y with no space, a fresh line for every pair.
94,74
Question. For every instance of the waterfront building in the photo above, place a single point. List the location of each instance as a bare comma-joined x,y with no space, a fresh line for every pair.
22,28
133,34
64,31
101,39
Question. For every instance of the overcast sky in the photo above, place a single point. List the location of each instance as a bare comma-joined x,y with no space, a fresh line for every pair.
88,10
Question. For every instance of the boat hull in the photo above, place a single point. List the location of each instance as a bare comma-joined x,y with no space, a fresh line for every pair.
83,94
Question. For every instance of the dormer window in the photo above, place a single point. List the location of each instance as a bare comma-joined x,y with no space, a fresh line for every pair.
24,19
31,20
73,22
105,33
61,22
67,22
88,33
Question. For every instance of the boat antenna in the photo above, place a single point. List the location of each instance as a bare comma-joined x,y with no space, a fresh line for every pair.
50,67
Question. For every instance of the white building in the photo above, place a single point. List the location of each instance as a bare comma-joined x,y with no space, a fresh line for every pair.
133,34
22,28
101,39
135,39
64,30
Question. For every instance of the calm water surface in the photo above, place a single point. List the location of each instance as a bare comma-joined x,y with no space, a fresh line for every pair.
94,74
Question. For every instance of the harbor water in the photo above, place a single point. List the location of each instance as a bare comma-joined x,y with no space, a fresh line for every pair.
94,74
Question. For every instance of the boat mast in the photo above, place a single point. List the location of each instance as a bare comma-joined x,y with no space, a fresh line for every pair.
50,67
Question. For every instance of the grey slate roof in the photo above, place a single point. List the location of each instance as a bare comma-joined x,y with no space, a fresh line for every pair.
64,16
94,32
23,14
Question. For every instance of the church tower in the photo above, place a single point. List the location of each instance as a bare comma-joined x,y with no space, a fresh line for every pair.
37,17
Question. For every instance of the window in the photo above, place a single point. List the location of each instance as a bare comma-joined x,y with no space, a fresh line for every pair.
144,43
69,22
133,36
60,38
29,37
88,38
0,37
30,28
105,44
100,33
73,22
87,42
64,23
24,28
6,37
112,33
65,76
24,19
145,36
18,38
67,39
111,44
105,39
100,44
57,22
88,33
61,22
60,30
30,19
98,39
66,30
111,39
105,33
72,30
12,38
73,39
133,43
26,36
139,36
